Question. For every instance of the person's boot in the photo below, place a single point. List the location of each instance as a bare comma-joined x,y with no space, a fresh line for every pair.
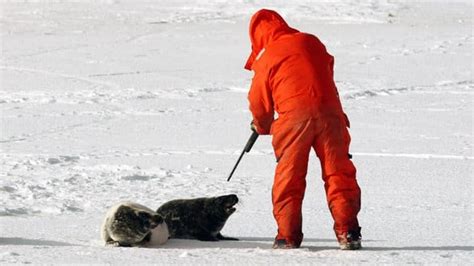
350,240
283,244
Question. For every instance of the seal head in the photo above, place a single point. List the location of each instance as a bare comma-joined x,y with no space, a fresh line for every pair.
131,224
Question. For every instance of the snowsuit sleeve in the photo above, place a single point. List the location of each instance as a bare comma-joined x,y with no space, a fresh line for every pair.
261,103
331,68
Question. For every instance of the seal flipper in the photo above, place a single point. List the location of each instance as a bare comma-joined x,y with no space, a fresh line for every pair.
113,243
206,237
145,240
221,237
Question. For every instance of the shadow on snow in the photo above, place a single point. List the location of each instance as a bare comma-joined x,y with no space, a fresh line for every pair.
421,248
18,241
243,243
308,244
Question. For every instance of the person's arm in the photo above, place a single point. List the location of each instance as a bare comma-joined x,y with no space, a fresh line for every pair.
331,69
261,104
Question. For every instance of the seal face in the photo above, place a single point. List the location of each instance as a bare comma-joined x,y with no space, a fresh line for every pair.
130,224
200,218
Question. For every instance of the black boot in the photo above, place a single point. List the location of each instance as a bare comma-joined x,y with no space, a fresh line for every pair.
350,240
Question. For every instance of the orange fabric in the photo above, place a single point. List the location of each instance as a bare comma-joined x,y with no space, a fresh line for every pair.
294,78
293,74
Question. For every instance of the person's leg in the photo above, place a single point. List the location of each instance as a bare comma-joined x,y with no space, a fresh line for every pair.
339,174
292,145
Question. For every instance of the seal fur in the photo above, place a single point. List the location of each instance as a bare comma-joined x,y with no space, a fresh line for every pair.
200,218
131,224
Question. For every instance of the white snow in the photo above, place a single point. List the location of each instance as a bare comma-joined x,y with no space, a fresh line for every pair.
109,101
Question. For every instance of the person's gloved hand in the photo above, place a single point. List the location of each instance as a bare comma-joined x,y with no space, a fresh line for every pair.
253,127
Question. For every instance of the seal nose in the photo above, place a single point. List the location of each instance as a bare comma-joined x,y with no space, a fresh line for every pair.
229,200
234,198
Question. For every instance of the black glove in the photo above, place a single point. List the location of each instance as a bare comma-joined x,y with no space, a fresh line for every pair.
253,127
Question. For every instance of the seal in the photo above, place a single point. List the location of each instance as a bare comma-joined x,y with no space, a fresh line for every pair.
200,218
128,224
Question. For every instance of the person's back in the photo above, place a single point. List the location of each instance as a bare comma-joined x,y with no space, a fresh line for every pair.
300,73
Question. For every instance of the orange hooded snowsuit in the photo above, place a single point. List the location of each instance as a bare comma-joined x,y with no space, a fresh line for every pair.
294,77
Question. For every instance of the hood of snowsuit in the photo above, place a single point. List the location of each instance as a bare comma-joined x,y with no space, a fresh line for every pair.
265,27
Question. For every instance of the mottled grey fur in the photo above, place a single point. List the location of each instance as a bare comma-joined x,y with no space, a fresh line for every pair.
201,218
130,224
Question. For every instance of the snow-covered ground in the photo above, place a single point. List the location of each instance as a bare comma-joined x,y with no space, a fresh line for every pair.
103,101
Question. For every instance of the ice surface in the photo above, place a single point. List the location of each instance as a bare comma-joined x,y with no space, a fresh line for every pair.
105,101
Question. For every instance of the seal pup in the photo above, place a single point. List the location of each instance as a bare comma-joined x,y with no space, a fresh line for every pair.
200,218
130,224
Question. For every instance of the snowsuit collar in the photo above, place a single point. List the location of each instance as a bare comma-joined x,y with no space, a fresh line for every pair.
266,26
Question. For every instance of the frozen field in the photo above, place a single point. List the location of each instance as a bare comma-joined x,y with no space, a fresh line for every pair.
103,101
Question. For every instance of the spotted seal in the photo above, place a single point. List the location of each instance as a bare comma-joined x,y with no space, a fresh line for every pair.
200,218
130,224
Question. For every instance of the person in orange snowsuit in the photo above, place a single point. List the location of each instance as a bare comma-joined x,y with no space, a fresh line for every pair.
293,75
